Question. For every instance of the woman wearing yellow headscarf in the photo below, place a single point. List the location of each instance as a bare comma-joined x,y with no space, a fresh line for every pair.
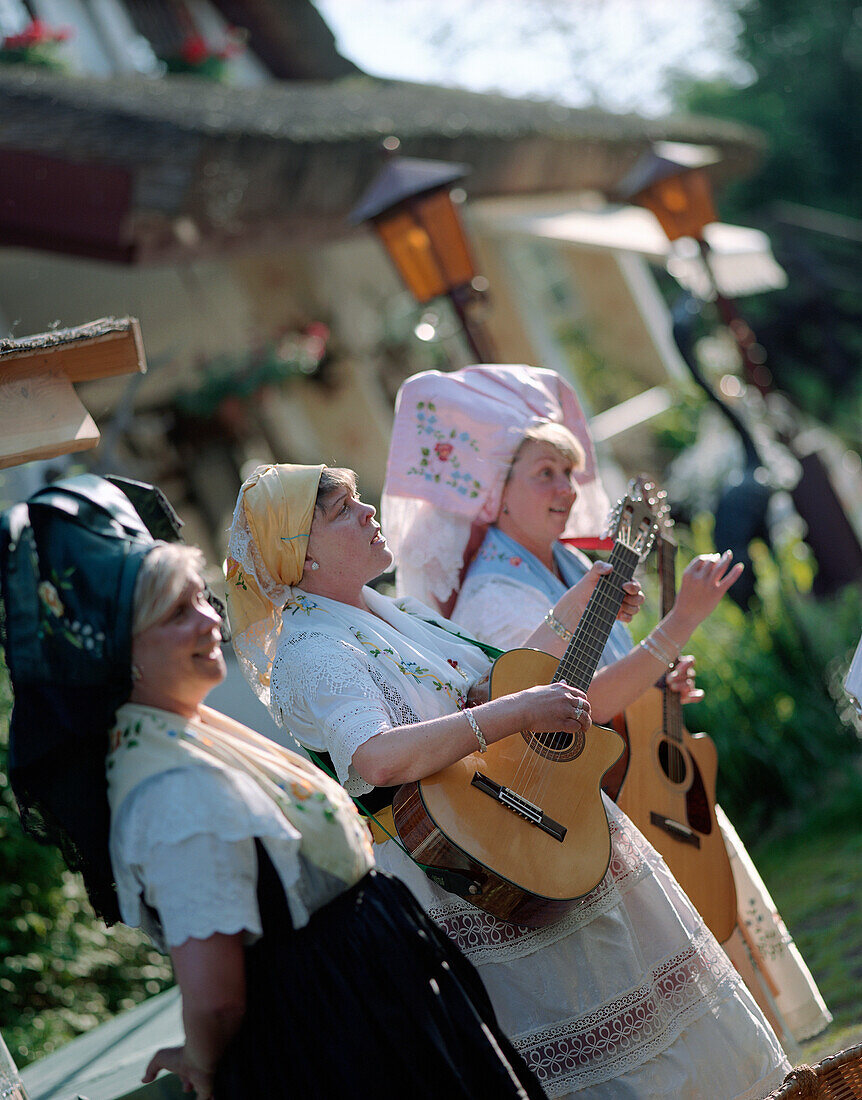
626,995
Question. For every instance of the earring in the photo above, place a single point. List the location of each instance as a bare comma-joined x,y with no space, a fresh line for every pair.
136,674
315,565
505,509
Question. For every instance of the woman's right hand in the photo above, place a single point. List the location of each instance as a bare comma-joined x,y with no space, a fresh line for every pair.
553,708
174,1060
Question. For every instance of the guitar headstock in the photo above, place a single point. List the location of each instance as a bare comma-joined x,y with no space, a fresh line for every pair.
647,489
635,521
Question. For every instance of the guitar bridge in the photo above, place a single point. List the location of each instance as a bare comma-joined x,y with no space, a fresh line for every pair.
519,805
675,829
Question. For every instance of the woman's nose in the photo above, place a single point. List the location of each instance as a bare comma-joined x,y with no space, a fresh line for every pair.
208,615
370,512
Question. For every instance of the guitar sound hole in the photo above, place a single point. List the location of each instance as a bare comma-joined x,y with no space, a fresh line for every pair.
673,762
556,746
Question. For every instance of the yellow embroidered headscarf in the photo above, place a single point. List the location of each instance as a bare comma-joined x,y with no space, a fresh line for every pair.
266,553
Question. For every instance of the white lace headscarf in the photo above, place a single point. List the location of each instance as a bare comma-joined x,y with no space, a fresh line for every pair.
266,552
453,441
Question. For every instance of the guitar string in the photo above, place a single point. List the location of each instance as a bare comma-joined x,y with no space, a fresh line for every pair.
603,606
579,664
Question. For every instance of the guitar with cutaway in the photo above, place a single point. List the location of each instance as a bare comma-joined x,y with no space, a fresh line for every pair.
523,824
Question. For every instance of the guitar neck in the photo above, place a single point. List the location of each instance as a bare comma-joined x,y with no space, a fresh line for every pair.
671,704
584,651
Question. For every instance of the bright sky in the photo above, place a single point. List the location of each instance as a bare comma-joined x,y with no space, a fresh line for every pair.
616,53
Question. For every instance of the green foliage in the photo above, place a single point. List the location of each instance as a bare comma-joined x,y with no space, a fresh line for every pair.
62,971
815,877
805,66
774,704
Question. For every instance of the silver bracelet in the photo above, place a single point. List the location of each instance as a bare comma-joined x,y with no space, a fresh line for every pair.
557,627
655,650
667,641
480,737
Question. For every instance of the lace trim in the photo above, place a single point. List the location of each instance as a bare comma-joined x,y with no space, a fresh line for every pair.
310,664
484,938
634,1028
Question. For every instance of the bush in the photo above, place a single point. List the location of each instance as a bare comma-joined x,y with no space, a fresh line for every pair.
62,971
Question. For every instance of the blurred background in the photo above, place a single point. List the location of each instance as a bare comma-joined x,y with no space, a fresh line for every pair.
306,203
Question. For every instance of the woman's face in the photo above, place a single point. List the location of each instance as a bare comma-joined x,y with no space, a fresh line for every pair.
539,495
179,657
346,544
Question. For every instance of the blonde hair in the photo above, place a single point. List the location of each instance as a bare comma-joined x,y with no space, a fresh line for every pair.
163,574
559,437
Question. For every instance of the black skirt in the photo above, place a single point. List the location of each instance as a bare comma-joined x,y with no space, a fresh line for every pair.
369,998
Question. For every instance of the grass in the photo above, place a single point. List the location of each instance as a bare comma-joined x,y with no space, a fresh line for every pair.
814,874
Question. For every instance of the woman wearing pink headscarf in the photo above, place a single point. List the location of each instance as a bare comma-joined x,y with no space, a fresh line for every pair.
628,995
497,553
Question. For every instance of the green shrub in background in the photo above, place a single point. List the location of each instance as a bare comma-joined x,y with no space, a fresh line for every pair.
61,970
787,741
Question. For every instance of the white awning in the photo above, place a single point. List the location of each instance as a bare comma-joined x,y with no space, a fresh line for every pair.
742,258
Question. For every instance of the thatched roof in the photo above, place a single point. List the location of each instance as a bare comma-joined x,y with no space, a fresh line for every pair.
179,164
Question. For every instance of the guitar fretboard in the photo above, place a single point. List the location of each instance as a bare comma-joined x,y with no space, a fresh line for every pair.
671,703
584,651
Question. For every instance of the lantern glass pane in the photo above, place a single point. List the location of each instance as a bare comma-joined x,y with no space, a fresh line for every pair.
682,204
410,249
440,219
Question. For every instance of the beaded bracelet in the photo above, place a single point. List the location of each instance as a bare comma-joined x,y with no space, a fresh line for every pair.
557,627
480,737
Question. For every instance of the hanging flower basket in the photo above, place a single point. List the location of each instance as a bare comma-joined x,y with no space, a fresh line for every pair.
35,45
228,385
200,58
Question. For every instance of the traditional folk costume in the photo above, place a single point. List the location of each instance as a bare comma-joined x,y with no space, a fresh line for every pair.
506,591
627,996
350,988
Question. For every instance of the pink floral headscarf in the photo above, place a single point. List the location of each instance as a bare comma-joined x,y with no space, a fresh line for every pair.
453,441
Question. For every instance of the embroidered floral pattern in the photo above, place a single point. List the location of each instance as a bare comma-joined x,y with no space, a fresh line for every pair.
50,598
443,461
235,575
302,604
54,622
409,668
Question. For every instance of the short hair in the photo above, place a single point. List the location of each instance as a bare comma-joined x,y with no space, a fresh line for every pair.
161,578
332,478
559,437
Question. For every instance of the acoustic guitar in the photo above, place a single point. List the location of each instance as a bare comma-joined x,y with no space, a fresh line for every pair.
523,824
669,787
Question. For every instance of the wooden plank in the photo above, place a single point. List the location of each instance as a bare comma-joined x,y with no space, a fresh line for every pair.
42,417
101,349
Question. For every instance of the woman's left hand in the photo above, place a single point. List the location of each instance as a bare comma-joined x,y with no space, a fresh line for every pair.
173,1059
569,607
681,680
633,598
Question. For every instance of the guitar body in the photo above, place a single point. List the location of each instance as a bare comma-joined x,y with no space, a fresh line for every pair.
522,872
669,794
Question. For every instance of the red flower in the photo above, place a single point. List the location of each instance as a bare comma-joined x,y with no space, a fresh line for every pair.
515,561
36,33
443,450
449,661
194,50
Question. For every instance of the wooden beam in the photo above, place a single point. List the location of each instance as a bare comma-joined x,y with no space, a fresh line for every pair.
41,416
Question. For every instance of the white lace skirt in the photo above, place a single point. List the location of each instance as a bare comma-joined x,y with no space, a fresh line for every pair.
627,996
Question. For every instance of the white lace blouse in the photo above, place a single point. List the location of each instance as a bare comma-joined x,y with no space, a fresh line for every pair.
183,853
